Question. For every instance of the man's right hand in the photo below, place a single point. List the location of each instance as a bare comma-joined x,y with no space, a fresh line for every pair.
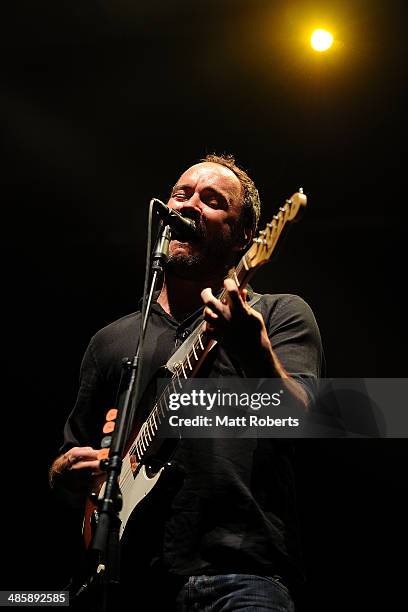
77,458
74,471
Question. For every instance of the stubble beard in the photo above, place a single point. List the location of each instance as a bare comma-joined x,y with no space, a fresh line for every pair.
213,260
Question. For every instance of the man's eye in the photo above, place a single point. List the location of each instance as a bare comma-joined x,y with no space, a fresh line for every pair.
179,196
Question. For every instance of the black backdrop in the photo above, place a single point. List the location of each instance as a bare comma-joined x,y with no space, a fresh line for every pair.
103,105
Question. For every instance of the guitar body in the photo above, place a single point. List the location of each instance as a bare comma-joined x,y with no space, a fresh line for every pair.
144,481
137,478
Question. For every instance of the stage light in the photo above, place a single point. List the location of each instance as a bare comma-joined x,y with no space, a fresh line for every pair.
321,40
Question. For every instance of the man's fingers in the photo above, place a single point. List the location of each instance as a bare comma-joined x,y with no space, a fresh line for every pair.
90,465
209,315
79,457
206,295
237,297
210,300
213,307
216,309
77,452
230,285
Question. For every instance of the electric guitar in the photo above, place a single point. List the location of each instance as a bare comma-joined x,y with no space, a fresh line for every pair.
140,468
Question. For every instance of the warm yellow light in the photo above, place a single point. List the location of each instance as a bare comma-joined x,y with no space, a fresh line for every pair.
321,40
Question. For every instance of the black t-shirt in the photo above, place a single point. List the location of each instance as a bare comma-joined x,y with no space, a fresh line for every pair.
229,506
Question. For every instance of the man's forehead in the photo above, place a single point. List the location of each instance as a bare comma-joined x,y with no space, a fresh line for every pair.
211,173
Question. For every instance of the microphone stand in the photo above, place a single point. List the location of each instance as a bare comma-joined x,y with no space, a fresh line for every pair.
105,545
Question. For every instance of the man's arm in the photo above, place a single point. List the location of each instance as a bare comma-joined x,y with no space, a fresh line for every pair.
71,473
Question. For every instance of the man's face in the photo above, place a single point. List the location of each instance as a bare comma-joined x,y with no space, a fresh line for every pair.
211,195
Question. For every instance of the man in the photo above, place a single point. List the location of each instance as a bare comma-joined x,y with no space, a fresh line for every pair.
223,533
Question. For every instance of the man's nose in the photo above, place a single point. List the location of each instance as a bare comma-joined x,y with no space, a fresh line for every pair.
191,208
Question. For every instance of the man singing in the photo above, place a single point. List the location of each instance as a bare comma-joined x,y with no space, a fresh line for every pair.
222,535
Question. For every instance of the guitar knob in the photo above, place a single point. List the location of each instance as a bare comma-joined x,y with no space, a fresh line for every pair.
104,464
108,427
106,441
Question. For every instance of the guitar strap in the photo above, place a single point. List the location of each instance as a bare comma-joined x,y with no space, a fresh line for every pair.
185,348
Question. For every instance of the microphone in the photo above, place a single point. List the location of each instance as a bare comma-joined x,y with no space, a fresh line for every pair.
183,227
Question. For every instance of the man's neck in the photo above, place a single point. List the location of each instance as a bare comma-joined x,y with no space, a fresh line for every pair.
180,297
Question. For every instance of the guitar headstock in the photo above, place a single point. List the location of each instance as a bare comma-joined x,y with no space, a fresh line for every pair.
262,248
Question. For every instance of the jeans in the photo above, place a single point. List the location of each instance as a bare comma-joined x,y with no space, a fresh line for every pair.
234,592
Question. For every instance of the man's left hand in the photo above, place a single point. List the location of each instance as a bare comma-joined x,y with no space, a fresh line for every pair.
240,328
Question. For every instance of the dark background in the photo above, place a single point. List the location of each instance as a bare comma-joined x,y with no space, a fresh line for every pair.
103,105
